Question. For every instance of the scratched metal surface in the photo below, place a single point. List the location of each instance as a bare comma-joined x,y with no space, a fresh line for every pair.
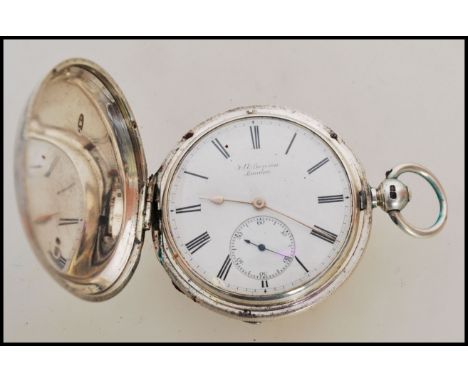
392,102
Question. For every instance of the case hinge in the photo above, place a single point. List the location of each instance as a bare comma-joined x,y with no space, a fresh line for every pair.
147,213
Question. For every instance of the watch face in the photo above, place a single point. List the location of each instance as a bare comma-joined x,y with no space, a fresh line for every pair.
259,206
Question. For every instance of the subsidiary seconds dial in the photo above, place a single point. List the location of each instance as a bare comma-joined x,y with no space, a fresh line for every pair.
262,248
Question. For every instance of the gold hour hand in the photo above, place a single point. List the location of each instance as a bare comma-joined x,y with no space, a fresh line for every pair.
258,203
214,199
290,217
221,199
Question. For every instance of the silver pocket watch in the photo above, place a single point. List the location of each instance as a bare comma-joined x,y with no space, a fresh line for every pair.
257,213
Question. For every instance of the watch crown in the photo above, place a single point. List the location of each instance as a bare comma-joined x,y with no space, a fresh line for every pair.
392,195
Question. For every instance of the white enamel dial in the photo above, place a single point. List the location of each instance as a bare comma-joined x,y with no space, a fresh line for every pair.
259,167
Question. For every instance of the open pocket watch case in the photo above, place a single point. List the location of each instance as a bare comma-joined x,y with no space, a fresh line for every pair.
257,213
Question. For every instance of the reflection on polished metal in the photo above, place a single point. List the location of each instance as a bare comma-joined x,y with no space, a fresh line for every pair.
392,196
81,111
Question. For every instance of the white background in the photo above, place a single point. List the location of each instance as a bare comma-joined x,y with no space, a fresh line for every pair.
392,102
235,17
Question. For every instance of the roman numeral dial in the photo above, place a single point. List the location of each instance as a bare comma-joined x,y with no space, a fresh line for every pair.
258,206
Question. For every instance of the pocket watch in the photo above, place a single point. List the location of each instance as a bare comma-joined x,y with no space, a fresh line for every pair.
257,213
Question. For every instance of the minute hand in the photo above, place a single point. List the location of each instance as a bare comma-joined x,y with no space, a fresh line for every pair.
289,217
255,203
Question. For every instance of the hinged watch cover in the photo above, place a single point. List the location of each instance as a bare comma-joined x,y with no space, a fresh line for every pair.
80,110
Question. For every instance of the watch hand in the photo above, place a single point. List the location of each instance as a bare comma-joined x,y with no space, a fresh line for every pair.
222,199
278,253
290,217
44,218
262,248
258,203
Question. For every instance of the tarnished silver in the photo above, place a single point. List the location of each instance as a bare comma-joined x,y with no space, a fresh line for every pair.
115,181
392,196
120,210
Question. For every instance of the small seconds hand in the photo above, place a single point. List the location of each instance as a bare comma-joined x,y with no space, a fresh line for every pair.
262,247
